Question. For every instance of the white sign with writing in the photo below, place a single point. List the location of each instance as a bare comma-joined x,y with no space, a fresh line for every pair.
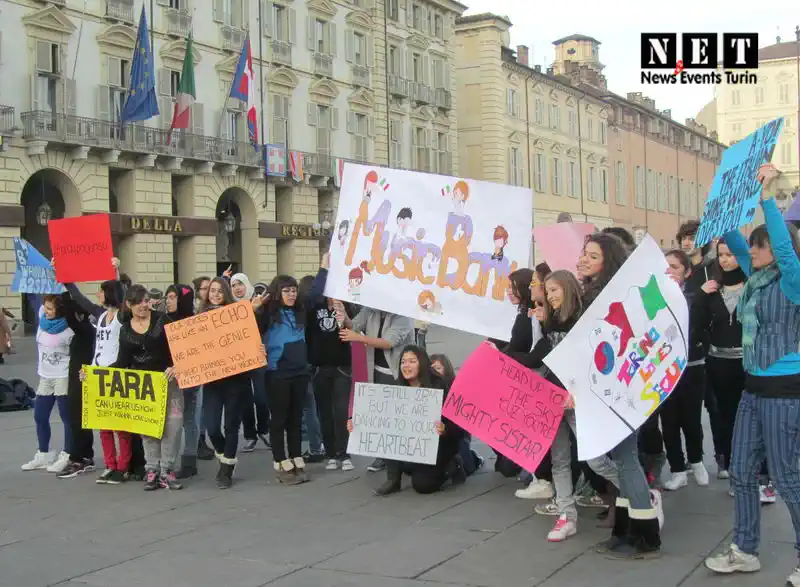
396,422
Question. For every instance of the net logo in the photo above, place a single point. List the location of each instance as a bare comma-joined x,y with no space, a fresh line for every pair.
737,53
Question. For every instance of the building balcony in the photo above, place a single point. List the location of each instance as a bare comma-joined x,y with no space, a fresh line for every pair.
120,10
320,164
281,52
360,76
232,38
111,138
398,86
323,64
442,98
421,93
179,22
7,120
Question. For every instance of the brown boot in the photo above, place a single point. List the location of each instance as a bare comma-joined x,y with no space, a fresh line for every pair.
611,499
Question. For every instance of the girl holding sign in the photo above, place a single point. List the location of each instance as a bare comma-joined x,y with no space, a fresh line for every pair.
416,371
768,417
637,513
143,346
562,308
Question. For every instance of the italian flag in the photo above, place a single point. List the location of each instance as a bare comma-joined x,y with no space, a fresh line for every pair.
186,92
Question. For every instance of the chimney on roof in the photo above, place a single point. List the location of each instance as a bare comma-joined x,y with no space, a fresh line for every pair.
522,55
537,68
667,113
549,71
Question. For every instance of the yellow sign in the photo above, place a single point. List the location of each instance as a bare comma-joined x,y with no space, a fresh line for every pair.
125,400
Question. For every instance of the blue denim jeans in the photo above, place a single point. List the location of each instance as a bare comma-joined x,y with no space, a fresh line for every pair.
192,409
310,427
633,485
770,427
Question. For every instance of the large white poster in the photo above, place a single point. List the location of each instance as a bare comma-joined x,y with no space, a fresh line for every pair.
625,355
431,247
396,422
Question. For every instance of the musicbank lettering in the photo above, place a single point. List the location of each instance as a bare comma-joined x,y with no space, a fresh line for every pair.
435,248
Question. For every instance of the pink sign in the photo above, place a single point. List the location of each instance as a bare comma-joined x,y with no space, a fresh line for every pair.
506,405
562,244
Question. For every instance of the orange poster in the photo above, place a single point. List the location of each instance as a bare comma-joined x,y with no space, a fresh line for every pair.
215,344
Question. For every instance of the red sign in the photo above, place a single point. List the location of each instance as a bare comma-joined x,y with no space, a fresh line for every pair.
82,248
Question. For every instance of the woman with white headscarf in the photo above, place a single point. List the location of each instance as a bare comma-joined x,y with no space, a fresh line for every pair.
241,287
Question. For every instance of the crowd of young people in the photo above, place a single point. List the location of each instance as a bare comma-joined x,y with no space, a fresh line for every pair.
743,366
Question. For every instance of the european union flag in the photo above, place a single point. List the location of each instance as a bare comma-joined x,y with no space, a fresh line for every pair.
141,102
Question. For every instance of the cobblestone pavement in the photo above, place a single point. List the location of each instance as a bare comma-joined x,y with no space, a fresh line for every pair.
332,531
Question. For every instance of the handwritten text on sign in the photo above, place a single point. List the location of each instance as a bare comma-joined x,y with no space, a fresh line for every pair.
396,422
735,190
125,400
509,407
82,248
215,344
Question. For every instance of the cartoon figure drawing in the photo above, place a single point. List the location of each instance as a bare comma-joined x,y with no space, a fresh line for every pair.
355,278
500,241
427,301
404,221
370,185
344,230
460,196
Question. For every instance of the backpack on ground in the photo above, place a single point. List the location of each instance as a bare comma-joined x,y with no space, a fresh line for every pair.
15,394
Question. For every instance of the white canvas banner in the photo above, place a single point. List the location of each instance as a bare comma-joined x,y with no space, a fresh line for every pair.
396,422
434,248
627,352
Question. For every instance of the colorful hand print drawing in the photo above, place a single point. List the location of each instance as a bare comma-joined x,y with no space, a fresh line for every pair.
637,355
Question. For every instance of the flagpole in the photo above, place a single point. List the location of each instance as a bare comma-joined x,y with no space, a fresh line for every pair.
152,27
261,84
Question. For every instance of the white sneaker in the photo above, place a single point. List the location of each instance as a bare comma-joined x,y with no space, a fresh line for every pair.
563,529
677,481
332,465
658,505
537,489
794,579
347,465
723,474
768,493
733,560
60,463
700,474
40,461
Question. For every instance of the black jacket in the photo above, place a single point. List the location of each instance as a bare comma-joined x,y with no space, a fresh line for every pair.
698,324
534,359
724,328
325,348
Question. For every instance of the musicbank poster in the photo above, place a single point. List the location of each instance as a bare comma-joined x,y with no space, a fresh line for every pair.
431,247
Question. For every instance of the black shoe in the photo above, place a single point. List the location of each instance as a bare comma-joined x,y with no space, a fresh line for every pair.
104,477
265,439
612,543
636,551
137,474
389,487
203,452
457,474
310,457
151,481
376,465
225,476
249,445
188,467
76,468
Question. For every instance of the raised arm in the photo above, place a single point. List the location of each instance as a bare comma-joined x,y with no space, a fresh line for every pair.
740,249
85,303
783,249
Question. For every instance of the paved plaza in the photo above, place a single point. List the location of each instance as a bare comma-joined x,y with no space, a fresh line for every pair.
331,532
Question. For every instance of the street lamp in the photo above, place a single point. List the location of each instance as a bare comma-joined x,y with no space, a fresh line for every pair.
324,223
44,213
229,222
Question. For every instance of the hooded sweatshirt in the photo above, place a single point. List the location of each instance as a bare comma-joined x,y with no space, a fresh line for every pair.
185,302
246,281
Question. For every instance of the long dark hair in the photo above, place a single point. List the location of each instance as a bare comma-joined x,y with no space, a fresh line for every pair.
520,281
275,303
427,376
760,238
449,370
571,300
614,256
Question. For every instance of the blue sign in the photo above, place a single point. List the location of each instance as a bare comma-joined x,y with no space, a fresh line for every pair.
34,274
735,192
